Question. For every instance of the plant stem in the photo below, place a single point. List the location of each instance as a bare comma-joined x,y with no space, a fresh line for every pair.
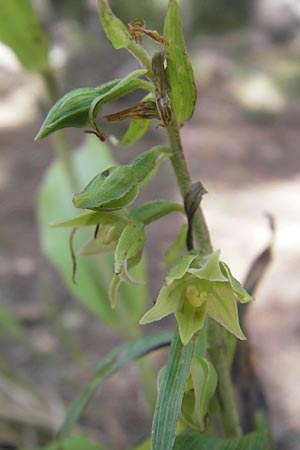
61,143
184,182
216,334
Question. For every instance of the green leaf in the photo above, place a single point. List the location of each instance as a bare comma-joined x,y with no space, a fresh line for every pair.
176,248
72,110
111,189
116,32
146,165
76,442
154,210
114,361
179,69
91,218
124,86
194,440
93,274
137,127
136,130
21,31
170,394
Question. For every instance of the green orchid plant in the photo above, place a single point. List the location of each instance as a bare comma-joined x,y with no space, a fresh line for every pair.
199,289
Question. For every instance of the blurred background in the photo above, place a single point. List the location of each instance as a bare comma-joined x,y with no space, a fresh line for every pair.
242,143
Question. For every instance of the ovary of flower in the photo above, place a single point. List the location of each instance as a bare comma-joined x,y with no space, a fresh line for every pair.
195,297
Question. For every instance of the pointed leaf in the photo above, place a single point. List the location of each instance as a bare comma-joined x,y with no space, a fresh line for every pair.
21,31
111,189
170,395
176,248
119,35
114,361
91,218
72,110
194,440
179,69
151,211
146,165
136,130
75,442
116,32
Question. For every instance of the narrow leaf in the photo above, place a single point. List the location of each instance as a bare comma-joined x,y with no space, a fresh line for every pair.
76,442
151,211
72,110
119,35
114,361
179,69
21,31
116,32
90,218
193,440
176,248
135,132
170,394
146,165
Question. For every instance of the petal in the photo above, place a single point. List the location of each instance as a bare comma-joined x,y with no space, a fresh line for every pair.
190,320
236,286
221,306
179,269
169,300
211,269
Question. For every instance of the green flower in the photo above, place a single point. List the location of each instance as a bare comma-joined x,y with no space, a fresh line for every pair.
194,287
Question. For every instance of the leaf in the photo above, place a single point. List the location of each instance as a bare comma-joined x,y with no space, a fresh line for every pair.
111,189
176,248
72,110
135,131
91,218
21,31
116,32
179,69
150,211
94,273
193,440
119,35
124,86
170,394
76,442
146,165
114,361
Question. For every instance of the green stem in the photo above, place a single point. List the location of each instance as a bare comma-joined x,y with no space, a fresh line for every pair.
61,143
217,349
216,334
